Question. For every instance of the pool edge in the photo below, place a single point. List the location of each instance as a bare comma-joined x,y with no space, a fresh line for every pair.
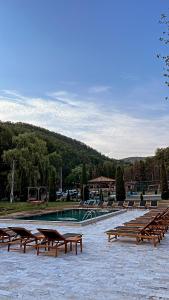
61,223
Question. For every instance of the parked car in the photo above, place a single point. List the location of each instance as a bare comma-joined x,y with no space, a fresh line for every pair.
63,195
59,195
72,193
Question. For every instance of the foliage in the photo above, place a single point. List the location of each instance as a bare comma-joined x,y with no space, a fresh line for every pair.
39,155
74,177
120,188
84,175
68,196
143,171
84,193
164,183
165,40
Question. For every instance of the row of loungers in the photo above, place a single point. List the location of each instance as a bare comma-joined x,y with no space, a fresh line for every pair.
151,226
19,238
136,204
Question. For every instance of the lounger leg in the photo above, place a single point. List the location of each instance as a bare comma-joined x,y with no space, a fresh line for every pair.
137,240
154,242
66,248
56,251
81,245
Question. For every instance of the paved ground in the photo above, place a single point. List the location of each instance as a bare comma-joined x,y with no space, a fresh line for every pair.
117,270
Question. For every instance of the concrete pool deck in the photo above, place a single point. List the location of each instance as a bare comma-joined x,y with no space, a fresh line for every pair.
117,270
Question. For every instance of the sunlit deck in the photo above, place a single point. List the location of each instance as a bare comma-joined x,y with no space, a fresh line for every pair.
115,270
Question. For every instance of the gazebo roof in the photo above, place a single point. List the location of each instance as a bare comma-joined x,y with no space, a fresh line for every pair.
101,179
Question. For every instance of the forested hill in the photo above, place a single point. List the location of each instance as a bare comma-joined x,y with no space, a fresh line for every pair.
65,146
39,155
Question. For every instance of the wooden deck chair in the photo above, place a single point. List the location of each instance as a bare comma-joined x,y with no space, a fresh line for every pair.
120,204
125,204
6,235
23,238
140,230
130,204
153,204
142,204
53,240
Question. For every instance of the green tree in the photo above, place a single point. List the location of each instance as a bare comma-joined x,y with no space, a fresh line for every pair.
109,169
30,155
83,181
75,176
164,183
165,40
53,170
86,193
84,175
120,188
5,143
68,198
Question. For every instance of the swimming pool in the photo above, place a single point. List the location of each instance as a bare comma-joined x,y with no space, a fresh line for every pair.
69,215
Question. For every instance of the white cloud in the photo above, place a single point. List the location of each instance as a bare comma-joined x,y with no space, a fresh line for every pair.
110,131
99,89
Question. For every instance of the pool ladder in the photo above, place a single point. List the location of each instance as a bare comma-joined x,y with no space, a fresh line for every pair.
91,214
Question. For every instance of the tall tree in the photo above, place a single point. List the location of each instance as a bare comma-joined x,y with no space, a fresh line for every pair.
120,187
164,183
165,40
53,171
29,154
83,182
84,175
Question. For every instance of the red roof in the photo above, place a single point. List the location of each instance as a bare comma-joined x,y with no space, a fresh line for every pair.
101,179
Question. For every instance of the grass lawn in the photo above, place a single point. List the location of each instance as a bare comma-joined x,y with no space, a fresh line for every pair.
7,208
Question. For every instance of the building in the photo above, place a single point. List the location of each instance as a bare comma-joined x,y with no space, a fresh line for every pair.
103,183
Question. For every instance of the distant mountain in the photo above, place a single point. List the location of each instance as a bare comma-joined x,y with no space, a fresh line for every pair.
76,151
132,160
70,152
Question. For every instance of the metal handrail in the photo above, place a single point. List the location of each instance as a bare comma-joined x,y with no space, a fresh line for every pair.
89,212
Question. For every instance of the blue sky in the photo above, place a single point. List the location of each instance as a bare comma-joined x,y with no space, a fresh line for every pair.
86,69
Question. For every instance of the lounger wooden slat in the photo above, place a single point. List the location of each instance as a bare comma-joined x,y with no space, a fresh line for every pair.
151,227
6,235
23,238
54,240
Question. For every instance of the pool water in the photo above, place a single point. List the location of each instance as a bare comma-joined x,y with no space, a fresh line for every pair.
70,215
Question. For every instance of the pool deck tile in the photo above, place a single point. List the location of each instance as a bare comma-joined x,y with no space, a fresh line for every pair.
117,270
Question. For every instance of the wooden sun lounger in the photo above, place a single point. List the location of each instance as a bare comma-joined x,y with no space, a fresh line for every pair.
142,204
154,224
153,204
135,233
23,238
53,240
151,230
6,235
144,229
130,204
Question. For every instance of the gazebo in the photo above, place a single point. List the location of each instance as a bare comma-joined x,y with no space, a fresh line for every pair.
37,194
102,182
